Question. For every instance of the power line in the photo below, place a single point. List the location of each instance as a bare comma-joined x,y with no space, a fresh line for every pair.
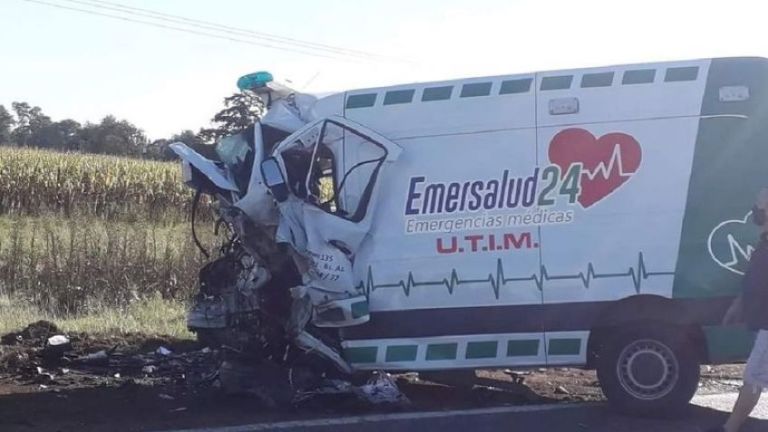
195,32
208,25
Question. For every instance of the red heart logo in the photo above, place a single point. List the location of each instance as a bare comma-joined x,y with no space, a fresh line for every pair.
607,162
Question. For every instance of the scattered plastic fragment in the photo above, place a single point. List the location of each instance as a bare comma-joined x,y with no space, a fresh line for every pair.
58,340
382,389
163,351
45,374
56,346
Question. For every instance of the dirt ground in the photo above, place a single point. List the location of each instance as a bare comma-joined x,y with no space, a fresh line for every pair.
137,388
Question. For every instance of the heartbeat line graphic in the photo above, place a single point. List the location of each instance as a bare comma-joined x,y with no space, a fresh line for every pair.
499,279
606,170
738,252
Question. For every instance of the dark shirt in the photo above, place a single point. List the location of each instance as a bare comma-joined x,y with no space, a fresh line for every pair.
755,298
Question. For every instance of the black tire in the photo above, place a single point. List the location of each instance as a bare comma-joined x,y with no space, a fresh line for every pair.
649,371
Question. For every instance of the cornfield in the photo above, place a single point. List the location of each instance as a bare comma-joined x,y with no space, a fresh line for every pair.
78,230
35,182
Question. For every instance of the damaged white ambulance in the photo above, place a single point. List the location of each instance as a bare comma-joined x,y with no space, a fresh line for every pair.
593,217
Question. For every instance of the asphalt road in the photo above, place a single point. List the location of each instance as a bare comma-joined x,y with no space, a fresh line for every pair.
705,412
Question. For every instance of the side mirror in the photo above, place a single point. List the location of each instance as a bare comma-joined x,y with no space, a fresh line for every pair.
273,177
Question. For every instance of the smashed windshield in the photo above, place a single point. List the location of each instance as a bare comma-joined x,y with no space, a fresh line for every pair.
344,168
336,172
237,154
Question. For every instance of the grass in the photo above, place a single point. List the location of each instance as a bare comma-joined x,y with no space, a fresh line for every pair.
151,316
66,266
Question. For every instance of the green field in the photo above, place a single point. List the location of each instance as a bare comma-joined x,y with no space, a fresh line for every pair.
96,242
39,182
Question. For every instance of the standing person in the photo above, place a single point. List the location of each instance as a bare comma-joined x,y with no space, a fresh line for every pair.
752,307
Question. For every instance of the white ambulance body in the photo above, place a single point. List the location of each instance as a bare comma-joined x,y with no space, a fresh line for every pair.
620,242
593,217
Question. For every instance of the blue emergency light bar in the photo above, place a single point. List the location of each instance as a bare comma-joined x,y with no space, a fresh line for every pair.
254,80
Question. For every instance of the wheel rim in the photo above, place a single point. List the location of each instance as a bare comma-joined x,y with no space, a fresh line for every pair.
647,369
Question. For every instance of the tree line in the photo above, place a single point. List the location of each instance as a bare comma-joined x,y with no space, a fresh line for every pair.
27,126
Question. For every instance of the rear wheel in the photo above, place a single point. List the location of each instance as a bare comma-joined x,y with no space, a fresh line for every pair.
650,371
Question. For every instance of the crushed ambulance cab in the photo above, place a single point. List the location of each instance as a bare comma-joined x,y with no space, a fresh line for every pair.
593,217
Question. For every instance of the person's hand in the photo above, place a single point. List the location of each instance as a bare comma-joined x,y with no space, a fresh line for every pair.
735,314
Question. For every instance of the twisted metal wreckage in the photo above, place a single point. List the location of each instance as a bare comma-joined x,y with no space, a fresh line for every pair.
282,284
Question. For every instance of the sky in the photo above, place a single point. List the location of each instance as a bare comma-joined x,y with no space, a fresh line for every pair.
81,66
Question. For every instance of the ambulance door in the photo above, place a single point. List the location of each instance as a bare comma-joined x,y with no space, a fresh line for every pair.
615,147
333,169
344,176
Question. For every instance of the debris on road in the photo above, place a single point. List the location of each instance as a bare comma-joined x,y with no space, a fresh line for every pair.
187,375
41,354
382,389
57,346
163,351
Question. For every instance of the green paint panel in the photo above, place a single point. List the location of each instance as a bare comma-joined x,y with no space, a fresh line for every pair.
516,86
481,350
556,82
401,353
394,97
360,309
476,89
360,354
639,76
688,73
523,348
729,168
564,347
727,344
436,93
446,351
601,79
361,100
